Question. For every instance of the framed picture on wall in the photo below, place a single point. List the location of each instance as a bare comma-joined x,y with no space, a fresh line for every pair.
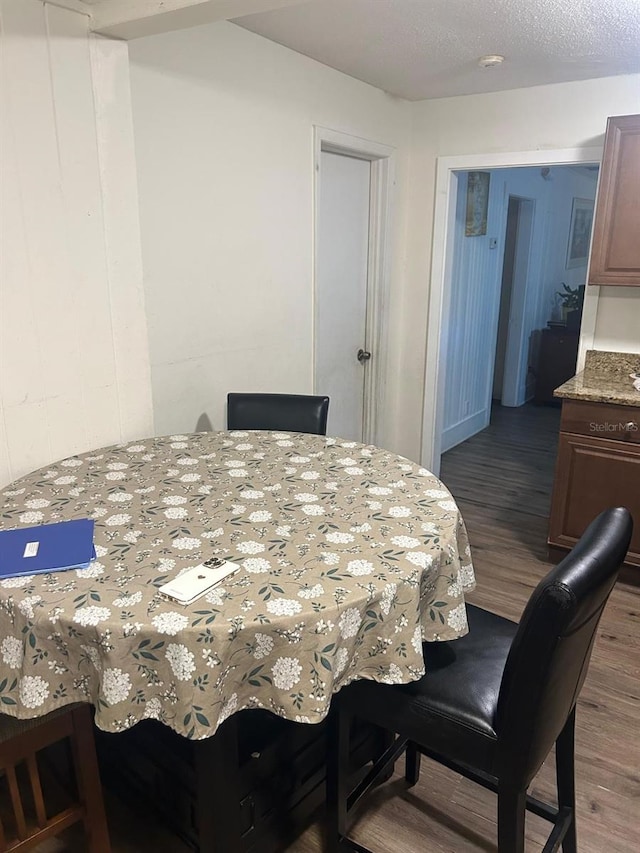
579,232
477,204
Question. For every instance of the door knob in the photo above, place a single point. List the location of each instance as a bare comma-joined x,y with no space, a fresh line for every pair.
363,356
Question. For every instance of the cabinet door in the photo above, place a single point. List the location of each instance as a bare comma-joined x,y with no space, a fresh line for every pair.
615,251
593,474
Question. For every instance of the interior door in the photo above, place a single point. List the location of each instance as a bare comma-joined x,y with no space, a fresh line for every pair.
342,253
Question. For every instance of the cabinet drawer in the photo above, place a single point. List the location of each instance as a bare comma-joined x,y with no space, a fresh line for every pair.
601,420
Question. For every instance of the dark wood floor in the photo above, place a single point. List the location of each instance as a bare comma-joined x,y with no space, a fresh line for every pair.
501,480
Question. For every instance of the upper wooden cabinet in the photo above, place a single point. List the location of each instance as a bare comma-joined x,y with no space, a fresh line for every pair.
615,252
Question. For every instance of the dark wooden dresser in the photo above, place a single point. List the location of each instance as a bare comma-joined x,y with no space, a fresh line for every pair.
556,361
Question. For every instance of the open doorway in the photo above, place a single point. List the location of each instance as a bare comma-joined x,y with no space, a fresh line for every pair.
498,294
515,265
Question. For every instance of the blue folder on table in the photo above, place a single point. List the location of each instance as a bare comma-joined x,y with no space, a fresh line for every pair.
46,548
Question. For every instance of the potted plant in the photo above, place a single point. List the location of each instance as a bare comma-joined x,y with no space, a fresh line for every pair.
570,299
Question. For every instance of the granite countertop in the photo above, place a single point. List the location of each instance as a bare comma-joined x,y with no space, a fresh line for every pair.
605,379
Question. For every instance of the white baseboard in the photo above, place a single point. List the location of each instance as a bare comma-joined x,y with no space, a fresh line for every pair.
464,429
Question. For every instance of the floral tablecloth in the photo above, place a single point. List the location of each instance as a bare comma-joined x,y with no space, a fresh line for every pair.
350,556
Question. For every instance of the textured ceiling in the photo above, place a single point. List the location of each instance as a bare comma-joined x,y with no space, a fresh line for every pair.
429,48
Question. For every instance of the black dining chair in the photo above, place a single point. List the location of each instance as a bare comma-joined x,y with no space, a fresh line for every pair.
493,703
287,412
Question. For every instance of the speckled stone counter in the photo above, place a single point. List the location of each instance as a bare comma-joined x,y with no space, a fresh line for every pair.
606,378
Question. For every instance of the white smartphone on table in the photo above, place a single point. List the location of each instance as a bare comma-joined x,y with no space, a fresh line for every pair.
197,581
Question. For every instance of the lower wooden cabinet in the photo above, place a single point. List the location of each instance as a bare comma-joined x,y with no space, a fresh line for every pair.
594,472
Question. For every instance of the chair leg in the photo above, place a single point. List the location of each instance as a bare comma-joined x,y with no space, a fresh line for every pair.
337,777
412,765
88,780
565,775
511,819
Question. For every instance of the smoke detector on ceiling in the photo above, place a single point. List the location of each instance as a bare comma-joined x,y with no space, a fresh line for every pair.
491,60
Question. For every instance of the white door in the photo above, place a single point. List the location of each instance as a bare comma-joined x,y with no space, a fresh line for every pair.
342,253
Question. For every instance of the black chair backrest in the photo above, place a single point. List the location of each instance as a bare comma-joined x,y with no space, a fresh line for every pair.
550,653
287,412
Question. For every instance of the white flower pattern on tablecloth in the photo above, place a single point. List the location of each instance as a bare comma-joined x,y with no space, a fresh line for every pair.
457,618
16,583
388,596
256,565
342,656
250,547
33,691
451,506
176,512
260,515
181,660
350,622
94,570
31,517
338,537
92,653
399,511
284,606
229,708
12,652
359,567
28,605
348,558
118,518
264,646
116,685
186,543
312,509
286,673
405,541
419,558
170,623
152,709
91,615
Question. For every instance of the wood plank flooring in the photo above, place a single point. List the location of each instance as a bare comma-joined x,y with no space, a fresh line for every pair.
501,480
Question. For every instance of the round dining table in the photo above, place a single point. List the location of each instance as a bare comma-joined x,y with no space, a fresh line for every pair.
349,558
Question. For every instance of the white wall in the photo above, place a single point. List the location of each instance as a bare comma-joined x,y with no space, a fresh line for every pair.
74,369
564,183
567,115
224,138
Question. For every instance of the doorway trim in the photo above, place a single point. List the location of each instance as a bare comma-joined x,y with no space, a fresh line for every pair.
382,159
441,264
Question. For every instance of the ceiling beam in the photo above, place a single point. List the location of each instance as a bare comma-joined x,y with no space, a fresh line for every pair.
129,19
72,5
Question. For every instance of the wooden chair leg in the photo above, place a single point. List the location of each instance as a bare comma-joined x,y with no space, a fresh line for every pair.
565,775
412,766
16,801
88,779
511,819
